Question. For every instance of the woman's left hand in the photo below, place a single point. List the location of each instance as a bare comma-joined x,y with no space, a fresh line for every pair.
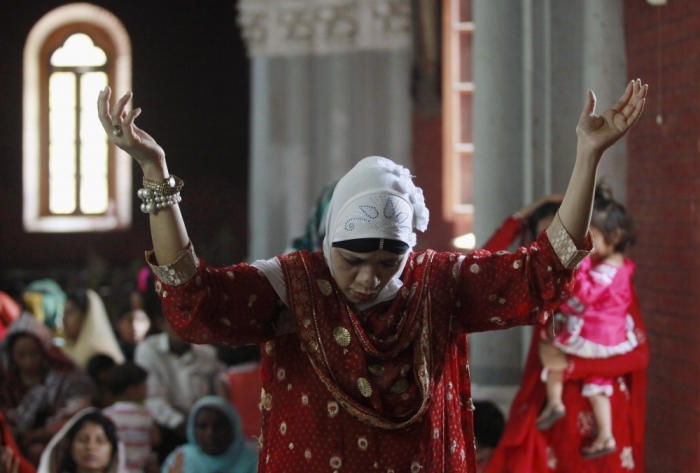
597,133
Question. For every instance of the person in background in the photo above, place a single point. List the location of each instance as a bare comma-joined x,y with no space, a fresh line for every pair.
41,388
489,423
9,312
87,328
241,384
523,447
46,300
132,327
178,375
215,442
135,426
595,322
98,369
88,443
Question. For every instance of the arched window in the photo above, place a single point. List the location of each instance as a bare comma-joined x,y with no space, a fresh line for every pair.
73,179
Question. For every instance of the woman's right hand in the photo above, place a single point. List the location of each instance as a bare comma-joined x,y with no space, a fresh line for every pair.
139,144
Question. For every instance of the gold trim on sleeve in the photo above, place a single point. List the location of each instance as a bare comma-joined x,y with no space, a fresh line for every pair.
178,272
563,245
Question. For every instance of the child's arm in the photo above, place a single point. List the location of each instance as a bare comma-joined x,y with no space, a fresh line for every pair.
575,367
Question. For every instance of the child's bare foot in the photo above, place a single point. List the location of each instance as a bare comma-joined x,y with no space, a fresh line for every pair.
549,415
599,447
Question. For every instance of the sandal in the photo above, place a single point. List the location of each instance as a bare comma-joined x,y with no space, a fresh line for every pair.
606,447
548,417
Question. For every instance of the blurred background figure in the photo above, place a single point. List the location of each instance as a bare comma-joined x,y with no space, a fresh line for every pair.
241,385
135,426
215,441
98,368
87,328
9,312
45,299
178,375
489,423
132,326
41,387
87,443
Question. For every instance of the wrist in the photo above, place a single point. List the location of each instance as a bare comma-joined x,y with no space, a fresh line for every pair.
155,171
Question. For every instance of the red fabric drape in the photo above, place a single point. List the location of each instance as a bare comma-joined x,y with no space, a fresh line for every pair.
9,441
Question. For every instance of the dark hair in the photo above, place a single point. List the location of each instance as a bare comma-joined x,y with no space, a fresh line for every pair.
99,363
613,220
68,464
548,209
11,340
489,423
232,356
79,297
123,376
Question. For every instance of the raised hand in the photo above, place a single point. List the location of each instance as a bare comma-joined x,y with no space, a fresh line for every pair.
599,132
123,132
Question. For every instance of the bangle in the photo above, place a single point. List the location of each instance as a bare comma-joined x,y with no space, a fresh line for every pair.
154,201
171,186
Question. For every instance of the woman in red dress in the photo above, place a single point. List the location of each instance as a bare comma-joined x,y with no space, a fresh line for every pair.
525,449
361,371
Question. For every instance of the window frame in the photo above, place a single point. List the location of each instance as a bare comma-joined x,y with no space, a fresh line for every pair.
107,33
452,91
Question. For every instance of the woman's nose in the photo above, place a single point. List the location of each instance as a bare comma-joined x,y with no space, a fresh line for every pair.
368,278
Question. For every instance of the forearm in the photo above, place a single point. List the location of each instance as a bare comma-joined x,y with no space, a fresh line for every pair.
575,210
580,368
168,230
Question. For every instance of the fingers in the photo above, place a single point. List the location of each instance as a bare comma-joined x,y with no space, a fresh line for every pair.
589,108
119,114
632,119
103,109
622,103
128,123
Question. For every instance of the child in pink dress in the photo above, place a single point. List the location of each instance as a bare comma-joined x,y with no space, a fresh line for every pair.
595,319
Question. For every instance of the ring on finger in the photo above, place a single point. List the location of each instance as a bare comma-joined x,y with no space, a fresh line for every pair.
117,130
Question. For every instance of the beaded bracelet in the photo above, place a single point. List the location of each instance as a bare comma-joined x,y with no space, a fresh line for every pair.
154,201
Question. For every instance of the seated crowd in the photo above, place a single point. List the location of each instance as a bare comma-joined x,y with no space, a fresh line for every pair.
81,391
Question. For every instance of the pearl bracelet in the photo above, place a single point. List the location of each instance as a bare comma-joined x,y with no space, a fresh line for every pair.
153,201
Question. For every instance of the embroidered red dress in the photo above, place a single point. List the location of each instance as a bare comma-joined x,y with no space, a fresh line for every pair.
377,390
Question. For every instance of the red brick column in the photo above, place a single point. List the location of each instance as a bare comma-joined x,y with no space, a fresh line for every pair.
664,196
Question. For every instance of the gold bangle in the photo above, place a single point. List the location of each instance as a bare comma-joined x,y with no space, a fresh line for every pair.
171,186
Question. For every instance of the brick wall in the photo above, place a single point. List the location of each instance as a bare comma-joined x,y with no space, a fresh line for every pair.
664,196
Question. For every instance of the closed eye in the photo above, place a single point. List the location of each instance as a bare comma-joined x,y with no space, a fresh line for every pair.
390,264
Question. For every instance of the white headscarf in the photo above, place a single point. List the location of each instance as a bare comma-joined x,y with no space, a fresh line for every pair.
52,456
375,199
96,336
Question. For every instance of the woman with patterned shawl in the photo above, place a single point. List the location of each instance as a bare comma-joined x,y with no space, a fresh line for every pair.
360,370
40,388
